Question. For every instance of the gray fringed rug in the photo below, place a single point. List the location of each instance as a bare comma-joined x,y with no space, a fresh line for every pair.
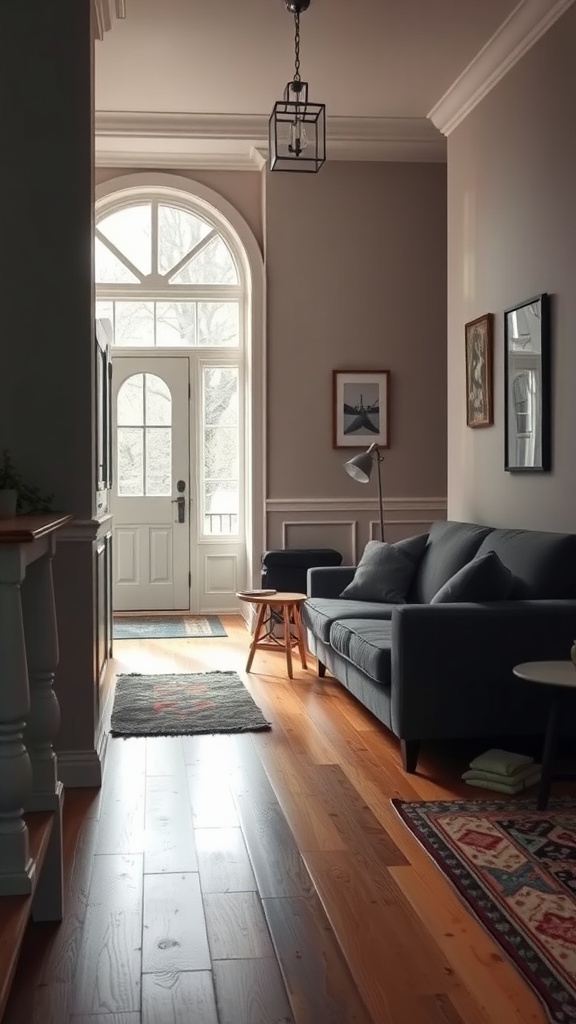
173,705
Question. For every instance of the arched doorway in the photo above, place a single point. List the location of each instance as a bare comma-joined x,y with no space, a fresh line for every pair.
179,276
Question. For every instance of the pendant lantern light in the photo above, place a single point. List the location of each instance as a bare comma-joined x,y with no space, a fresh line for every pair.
297,127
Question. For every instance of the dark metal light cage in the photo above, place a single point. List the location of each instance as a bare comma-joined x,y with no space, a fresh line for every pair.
297,127
312,118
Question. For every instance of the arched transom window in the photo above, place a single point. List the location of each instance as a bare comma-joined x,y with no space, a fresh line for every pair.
166,277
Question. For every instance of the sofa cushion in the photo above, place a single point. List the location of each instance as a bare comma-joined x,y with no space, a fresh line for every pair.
450,546
318,613
543,565
385,571
482,579
367,643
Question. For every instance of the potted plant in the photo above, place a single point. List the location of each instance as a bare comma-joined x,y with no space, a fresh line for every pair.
15,494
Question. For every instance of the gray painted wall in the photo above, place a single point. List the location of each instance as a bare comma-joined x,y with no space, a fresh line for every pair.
511,235
356,279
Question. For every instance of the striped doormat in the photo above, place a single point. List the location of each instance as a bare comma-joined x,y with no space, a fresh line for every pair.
156,627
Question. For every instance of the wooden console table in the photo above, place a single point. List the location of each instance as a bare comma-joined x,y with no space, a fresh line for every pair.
29,712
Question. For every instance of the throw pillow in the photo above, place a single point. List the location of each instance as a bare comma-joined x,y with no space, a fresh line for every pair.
412,546
384,573
482,579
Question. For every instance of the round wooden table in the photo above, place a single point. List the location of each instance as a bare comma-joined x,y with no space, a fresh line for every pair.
560,676
287,609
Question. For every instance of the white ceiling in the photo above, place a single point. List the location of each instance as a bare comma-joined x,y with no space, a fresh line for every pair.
191,83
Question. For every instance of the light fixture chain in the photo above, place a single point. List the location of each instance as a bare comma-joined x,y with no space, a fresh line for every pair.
297,46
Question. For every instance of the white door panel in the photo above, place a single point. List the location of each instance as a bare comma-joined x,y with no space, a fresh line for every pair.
127,554
151,492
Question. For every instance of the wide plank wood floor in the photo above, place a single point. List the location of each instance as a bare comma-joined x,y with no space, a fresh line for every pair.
263,878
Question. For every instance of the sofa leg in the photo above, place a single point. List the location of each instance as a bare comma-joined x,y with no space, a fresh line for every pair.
321,670
409,750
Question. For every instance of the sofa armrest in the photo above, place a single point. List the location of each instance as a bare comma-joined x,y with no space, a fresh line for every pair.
454,660
328,580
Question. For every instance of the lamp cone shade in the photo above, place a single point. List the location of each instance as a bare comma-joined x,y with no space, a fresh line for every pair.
360,467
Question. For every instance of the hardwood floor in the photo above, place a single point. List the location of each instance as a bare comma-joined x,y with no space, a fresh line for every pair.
263,878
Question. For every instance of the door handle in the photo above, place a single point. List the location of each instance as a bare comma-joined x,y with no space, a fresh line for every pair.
181,502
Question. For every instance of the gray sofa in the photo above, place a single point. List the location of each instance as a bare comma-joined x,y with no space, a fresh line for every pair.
432,670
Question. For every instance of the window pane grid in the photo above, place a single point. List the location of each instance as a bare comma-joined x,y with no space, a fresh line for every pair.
175,324
152,240
221,449
144,441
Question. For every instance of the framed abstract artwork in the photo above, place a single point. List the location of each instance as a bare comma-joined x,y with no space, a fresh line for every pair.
479,387
361,408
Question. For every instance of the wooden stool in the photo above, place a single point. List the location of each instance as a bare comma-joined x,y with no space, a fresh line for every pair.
288,607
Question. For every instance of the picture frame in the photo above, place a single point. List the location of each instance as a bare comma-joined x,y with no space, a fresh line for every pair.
479,341
361,408
527,405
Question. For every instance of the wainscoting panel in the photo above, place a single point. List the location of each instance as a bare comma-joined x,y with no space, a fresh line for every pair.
347,525
322,533
221,574
398,529
218,577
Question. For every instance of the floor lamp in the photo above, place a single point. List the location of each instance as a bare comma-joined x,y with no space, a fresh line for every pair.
360,469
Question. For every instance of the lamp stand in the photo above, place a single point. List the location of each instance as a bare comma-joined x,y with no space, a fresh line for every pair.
379,459
360,468
374,451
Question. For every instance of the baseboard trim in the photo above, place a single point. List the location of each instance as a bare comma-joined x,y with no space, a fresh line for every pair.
79,768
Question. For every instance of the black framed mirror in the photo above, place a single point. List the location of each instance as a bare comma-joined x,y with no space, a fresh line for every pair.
527,385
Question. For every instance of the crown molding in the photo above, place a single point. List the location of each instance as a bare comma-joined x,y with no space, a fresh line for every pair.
240,141
104,12
524,27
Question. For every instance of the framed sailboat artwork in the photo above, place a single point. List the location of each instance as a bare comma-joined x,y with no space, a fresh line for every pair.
361,408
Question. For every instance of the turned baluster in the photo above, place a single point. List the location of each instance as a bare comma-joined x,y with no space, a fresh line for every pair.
16,867
39,613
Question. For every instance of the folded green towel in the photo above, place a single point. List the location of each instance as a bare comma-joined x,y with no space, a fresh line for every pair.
507,787
523,773
501,762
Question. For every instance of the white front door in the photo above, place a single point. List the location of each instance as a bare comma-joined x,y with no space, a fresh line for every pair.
151,484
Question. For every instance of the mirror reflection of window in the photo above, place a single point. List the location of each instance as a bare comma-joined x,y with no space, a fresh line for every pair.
527,376
525,398
524,328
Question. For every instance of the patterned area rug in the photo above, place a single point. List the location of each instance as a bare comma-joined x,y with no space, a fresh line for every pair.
178,705
516,868
151,627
